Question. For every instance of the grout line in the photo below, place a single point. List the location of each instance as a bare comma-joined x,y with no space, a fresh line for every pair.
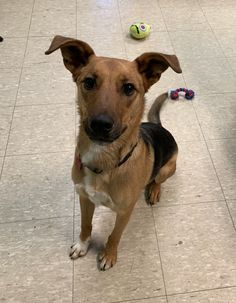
75,136
226,203
122,29
159,253
218,178
172,44
213,164
176,294
138,299
162,269
200,124
14,106
212,29
35,219
201,290
38,153
193,203
108,211
55,104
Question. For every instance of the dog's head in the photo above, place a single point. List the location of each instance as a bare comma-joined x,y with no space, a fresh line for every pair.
110,91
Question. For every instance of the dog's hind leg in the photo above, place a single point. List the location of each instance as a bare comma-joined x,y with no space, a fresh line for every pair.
80,248
153,189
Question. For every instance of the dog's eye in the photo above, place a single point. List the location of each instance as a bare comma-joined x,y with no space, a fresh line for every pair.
89,83
128,89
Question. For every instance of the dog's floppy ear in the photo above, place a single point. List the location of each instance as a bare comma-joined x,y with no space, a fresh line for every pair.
152,65
75,53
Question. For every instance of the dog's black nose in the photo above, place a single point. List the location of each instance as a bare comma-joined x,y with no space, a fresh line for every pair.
101,125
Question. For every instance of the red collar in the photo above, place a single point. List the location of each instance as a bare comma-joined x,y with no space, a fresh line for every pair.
80,165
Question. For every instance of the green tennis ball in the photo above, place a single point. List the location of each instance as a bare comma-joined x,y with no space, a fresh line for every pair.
140,30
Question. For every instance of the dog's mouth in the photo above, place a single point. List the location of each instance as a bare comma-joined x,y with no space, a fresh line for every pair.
102,137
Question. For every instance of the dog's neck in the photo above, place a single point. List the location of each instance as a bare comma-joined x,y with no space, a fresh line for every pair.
106,157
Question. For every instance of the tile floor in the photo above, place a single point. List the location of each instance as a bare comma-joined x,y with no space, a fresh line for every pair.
184,249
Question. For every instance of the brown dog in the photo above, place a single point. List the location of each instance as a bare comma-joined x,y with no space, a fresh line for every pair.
116,156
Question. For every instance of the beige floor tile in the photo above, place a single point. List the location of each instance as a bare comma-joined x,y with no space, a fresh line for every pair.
9,79
218,3
210,296
197,245
171,4
1,164
216,114
223,18
227,40
16,5
150,300
136,5
197,240
195,179
45,128
157,42
232,209
91,5
104,45
46,84
53,22
223,153
207,76
203,67
182,18
18,28
5,123
14,58
103,21
137,273
195,44
48,5
35,52
38,187
232,62
213,84
148,13
34,261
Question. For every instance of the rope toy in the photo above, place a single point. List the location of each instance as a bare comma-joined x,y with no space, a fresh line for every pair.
188,93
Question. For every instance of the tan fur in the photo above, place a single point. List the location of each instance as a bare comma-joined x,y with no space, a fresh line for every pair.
153,189
126,111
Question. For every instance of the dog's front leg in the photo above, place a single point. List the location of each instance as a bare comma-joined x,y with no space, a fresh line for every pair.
80,248
107,258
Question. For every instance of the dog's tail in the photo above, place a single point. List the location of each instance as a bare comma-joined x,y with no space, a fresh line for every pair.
154,112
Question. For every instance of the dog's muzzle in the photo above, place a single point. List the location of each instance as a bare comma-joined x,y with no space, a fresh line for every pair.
101,128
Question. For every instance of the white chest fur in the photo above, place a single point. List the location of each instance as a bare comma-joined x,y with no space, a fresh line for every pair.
94,186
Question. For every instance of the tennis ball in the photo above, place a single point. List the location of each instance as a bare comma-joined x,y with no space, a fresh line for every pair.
140,30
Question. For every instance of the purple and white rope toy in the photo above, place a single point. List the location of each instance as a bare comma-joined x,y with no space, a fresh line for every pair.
174,94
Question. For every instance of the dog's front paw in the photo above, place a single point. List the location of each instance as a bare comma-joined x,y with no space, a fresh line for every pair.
107,259
79,249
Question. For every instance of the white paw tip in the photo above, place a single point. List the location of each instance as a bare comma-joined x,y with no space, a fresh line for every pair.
105,264
79,249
